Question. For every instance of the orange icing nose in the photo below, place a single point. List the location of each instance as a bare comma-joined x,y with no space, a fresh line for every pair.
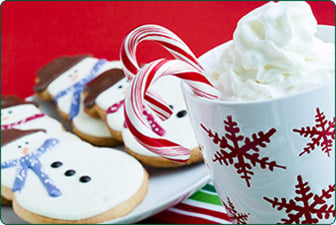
26,150
75,77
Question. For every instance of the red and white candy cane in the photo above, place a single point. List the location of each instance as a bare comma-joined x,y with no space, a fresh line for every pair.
160,35
135,104
166,39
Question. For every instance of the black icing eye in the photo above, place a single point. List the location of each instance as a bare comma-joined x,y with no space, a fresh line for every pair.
19,146
27,142
56,164
181,113
69,173
84,179
75,71
10,112
120,86
171,106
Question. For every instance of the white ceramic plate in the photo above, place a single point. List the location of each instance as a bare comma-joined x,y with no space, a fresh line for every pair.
167,187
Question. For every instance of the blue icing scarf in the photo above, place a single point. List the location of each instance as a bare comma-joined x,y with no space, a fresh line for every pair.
77,88
31,161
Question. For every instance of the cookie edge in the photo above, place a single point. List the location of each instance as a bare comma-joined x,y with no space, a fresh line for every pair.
159,162
118,211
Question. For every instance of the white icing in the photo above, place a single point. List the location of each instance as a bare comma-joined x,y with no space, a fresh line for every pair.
113,64
274,53
178,130
20,112
89,125
115,177
70,77
111,96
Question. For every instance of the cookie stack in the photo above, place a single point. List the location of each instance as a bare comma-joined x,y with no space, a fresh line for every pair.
52,176
90,92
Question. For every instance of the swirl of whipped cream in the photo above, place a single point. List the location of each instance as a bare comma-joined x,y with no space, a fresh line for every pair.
274,53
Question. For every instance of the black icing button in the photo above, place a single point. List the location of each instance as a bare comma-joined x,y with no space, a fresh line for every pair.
69,173
56,164
181,113
84,179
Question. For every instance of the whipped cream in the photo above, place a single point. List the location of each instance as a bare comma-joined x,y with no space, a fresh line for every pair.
274,53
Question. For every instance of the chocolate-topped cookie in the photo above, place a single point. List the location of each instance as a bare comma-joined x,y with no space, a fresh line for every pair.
63,80
55,68
100,84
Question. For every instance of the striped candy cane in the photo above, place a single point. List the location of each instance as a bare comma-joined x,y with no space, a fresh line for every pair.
160,35
166,39
135,104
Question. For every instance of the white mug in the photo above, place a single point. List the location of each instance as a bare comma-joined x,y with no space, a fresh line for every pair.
266,163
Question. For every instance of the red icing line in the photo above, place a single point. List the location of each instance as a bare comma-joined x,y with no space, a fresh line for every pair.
26,120
156,128
115,107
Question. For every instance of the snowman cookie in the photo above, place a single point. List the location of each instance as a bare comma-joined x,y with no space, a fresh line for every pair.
54,180
178,128
24,115
63,80
105,96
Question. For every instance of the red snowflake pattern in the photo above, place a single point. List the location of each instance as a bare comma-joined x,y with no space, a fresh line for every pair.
235,217
321,134
312,204
245,156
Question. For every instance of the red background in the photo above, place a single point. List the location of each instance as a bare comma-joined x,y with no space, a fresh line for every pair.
33,33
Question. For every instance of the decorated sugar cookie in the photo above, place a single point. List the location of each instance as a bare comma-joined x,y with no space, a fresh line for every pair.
54,180
104,97
24,115
177,128
63,80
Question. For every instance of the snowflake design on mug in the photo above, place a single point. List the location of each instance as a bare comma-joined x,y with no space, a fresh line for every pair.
235,216
242,152
312,208
321,134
